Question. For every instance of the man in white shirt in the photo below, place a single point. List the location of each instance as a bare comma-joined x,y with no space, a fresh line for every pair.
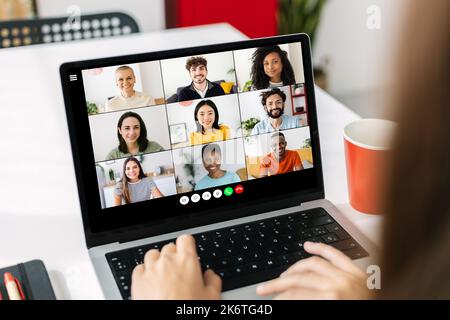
128,98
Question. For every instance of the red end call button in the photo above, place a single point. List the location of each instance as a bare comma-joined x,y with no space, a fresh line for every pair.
239,189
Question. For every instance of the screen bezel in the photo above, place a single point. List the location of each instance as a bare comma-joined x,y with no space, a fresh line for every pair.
118,225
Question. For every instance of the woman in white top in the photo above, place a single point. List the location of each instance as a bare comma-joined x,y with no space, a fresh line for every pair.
271,68
128,98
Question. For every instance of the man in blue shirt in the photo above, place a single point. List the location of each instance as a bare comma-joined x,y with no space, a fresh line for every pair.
212,160
273,101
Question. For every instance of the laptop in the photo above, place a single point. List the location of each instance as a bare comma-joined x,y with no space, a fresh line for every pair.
218,141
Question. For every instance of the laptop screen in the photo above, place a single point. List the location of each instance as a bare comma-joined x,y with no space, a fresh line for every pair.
163,135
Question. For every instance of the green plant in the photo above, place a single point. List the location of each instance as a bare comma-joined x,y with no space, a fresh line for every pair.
307,143
247,86
91,108
296,16
250,123
111,174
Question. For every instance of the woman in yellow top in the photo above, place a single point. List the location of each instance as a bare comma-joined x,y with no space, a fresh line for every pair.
208,129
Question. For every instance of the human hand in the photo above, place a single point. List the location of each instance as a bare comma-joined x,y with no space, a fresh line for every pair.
265,162
174,273
330,275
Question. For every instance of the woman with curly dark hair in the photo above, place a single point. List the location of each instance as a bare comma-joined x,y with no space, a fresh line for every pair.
271,68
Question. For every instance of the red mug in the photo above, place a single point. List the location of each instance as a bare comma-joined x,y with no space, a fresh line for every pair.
367,143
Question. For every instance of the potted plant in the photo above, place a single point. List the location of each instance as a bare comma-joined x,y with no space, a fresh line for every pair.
303,16
91,108
248,125
111,175
307,143
247,86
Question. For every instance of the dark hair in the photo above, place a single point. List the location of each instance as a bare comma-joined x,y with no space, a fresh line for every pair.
416,233
216,113
278,134
264,95
196,61
259,78
142,140
125,191
212,147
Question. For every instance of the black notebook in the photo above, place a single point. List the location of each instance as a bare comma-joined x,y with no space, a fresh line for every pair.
33,279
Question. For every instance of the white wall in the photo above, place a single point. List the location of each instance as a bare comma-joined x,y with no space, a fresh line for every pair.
175,74
360,57
227,106
233,158
99,87
260,145
151,79
149,15
243,62
104,129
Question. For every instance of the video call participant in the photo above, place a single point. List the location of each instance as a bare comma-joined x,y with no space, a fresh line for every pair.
200,86
273,102
212,160
206,117
135,186
280,160
128,98
271,68
132,136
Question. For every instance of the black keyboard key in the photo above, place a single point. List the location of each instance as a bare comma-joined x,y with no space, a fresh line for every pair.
305,234
241,260
253,267
137,261
320,221
270,263
329,238
315,239
301,225
123,266
356,253
319,231
224,263
224,274
299,255
345,245
295,246
305,216
338,230
286,259
251,278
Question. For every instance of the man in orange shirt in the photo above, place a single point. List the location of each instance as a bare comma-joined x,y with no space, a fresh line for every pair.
280,160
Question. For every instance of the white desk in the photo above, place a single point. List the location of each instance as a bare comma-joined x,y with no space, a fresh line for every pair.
39,209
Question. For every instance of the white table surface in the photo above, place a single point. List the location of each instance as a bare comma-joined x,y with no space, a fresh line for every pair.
40,216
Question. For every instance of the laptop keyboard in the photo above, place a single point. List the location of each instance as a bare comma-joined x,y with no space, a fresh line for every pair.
249,253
